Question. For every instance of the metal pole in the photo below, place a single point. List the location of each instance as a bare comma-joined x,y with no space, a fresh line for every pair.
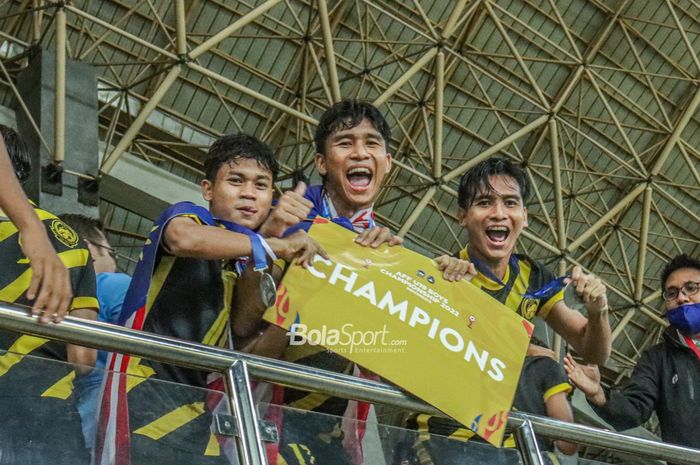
199,356
233,27
676,134
417,211
527,444
496,147
328,47
250,446
60,98
439,112
410,72
140,120
643,239
180,27
623,203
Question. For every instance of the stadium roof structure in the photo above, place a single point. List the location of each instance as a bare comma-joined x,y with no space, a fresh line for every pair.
598,99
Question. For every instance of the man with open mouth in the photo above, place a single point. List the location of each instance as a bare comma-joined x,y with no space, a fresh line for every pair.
492,199
353,159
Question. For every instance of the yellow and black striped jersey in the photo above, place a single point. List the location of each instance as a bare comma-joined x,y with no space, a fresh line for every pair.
17,372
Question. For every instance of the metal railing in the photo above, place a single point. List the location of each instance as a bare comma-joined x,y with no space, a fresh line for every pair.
239,367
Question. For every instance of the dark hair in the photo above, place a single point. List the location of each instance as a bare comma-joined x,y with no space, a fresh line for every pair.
678,262
18,152
476,180
234,146
87,228
347,114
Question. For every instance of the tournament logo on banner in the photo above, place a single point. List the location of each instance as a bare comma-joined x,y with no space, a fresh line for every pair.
390,311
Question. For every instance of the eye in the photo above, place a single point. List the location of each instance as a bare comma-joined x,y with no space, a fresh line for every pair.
261,185
511,203
236,180
483,203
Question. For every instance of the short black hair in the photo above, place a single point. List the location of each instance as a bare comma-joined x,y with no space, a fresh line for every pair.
87,228
237,146
347,114
476,180
18,152
678,262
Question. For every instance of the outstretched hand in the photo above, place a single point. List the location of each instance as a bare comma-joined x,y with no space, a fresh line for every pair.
298,248
454,269
376,236
586,378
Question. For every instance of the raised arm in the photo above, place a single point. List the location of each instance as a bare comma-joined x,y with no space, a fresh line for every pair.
50,286
590,336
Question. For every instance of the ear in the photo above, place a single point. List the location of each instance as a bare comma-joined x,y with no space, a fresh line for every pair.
525,225
207,187
389,160
94,251
462,217
321,164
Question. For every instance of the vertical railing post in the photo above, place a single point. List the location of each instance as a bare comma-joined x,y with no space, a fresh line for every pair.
250,447
527,444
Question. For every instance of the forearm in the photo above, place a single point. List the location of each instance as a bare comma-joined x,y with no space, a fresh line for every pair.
82,358
185,238
566,448
596,340
247,307
271,342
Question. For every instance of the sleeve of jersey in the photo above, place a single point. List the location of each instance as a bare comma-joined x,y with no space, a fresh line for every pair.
636,401
544,277
137,293
555,379
82,278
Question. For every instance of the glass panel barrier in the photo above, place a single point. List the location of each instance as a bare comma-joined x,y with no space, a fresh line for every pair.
173,423
307,437
169,423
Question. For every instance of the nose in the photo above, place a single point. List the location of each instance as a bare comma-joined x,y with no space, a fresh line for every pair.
682,298
248,190
498,210
360,151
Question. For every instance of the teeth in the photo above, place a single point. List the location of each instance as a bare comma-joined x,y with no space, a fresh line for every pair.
498,229
359,171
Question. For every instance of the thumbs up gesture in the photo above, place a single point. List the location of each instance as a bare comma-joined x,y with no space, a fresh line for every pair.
290,210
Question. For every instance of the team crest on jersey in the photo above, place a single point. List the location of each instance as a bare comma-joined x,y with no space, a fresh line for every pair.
528,308
64,233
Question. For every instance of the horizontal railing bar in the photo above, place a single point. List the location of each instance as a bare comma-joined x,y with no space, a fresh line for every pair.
203,357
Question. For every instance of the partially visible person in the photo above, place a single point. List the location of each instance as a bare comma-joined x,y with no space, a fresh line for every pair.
49,291
183,287
40,422
666,379
543,390
111,291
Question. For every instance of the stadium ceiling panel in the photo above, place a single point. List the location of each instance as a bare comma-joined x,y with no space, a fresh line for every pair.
598,99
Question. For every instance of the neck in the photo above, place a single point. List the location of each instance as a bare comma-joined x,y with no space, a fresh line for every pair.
341,207
497,266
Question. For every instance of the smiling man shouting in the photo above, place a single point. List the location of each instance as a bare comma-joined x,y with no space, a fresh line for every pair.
492,197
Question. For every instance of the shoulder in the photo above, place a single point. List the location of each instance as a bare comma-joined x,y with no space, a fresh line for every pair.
537,268
113,280
186,209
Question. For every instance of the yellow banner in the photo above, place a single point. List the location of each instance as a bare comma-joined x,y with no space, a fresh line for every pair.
390,311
